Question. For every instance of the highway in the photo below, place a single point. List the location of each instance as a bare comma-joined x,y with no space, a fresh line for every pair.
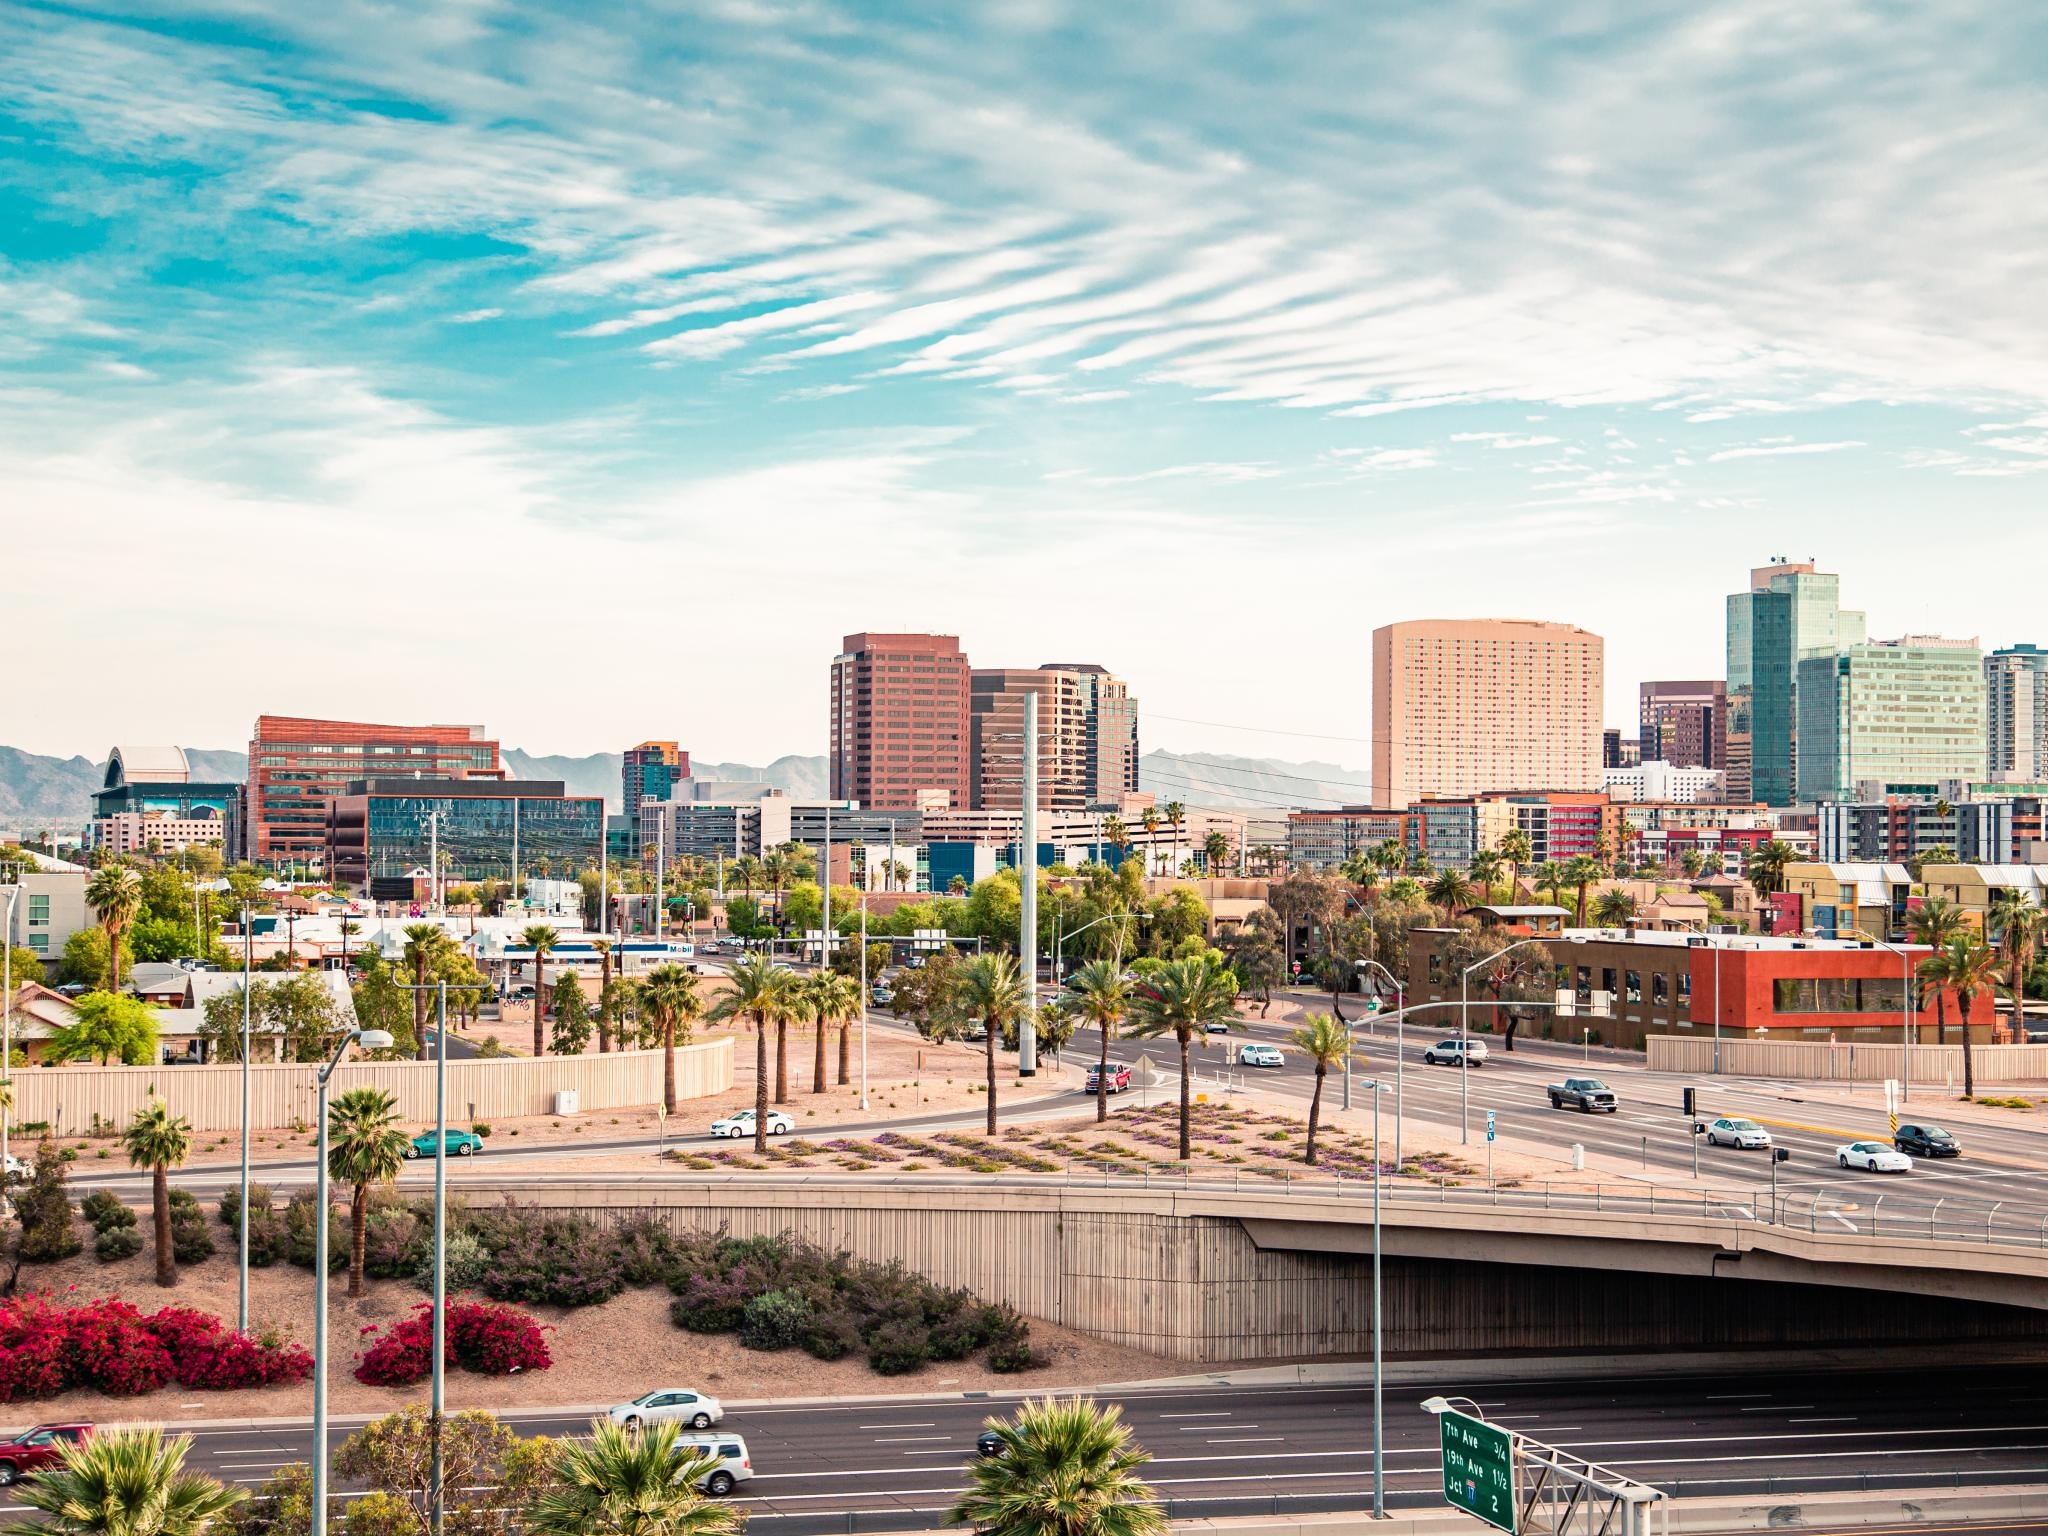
1224,1450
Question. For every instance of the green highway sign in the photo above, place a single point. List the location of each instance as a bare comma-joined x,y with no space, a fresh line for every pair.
1479,1468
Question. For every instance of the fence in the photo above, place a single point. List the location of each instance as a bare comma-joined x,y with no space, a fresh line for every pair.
1847,1062
69,1098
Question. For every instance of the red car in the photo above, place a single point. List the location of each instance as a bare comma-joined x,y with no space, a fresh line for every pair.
24,1454
1119,1078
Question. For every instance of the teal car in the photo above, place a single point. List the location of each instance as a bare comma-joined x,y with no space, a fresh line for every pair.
460,1144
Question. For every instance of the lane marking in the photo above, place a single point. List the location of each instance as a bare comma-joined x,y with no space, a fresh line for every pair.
932,1424
903,1439
1249,1440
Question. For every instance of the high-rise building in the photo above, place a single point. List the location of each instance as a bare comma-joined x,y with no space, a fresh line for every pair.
1684,724
296,766
2016,715
899,737
1087,736
1461,706
649,771
1792,611
1890,710
382,833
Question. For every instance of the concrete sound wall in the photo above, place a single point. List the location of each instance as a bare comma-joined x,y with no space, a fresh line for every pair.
1820,1061
68,1097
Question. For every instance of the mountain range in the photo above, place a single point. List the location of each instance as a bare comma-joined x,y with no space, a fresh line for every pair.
38,792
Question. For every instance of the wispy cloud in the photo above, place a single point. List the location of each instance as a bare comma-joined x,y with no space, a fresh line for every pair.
1775,450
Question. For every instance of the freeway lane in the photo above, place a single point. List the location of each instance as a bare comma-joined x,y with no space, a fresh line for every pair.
1238,1448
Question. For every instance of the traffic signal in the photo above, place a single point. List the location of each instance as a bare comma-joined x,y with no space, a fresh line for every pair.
1691,1105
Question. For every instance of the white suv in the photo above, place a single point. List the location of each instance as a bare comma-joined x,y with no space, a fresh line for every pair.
732,1466
1455,1053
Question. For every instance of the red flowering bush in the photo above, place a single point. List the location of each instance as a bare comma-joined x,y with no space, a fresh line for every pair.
108,1345
488,1339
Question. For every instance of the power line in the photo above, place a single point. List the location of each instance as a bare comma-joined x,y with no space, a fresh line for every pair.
1261,730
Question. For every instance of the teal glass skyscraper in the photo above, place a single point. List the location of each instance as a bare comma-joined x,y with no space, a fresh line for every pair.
1791,612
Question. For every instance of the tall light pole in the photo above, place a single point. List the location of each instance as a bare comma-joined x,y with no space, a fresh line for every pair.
373,1040
1379,1438
1374,965
863,996
1465,1022
1027,870
242,1241
7,1030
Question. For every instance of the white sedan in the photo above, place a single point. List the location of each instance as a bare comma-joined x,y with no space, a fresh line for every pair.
1730,1131
680,1404
742,1124
1261,1056
1873,1157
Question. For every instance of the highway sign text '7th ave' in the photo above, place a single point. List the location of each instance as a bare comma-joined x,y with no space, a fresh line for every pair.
1479,1468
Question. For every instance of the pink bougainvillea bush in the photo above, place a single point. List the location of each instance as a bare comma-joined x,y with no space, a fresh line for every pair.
484,1337
52,1344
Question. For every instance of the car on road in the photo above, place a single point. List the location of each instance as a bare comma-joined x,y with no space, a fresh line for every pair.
1872,1157
1456,1053
460,1144
1261,1056
682,1405
728,1453
27,1453
1215,1027
1119,1078
988,1443
742,1124
1924,1140
1733,1131
1588,1095
879,996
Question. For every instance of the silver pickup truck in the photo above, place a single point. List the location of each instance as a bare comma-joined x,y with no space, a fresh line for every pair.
1587,1094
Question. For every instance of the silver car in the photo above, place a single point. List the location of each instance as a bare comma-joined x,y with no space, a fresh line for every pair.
731,1465
664,1404
1733,1131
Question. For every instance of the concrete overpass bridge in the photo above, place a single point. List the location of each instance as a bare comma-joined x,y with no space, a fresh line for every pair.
1219,1270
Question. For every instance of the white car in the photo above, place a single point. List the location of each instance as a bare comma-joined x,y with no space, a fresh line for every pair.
731,1465
1456,1053
1261,1056
742,1124
1731,1131
680,1404
1873,1157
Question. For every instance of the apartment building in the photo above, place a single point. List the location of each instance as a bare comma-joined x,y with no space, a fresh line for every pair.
2016,714
899,736
1684,724
1890,709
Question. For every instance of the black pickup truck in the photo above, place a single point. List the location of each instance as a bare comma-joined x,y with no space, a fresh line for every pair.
1586,1094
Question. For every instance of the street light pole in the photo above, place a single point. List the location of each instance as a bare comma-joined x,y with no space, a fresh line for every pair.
373,1040
1361,965
242,1242
440,1236
7,1034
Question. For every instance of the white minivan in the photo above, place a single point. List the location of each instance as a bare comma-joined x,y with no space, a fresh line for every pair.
1456,1053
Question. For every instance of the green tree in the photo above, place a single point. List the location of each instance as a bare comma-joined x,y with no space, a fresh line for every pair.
1580,872
2020,927
1178,915
1515,852
1968,967
159,1141
124,1481
1182,998
629,1483
1485,871
106,1025
1767,866
572,1017
1101,996
379,1003
43,1208
540,938
1216,853
426,945
765,992
669,994
87,960
1935,921
1064,1469
115,895
1255,957
835,1000
1940,854
491,1475
26,965
1614,908
1326,1042
988,988
365,1148
1693,862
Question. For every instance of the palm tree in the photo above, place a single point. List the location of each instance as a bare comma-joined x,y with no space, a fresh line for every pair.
365,1147
1694,862
115,895
989,989
670,997
1150,821
425,945
1515,851
1550,877
1934,922
124,1482
1767,866
1182,998
1103,998
349,929
623,1482
1216,852
1450,891
2021,927
765,991
1970,966
159,1141
1485,872
603,946
1614,908
834,999
1115,833
540,938
1064,1469
1581,871
1175,814
1326,1043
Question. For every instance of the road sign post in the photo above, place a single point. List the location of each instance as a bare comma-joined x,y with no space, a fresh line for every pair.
1479,1468
1489,1148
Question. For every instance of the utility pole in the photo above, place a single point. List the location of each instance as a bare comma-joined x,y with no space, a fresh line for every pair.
1027,872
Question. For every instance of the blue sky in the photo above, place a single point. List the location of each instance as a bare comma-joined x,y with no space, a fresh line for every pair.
589,370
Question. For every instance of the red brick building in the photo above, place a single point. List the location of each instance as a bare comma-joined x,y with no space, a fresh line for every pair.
900,721
297,765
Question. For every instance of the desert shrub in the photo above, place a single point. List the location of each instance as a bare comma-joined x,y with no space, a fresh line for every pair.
775,1320
711,1304
1009,1339
230,1207
109,1346
191,1239
643,1252
105,1210
467,1261
395,1243
299,1234
898,1347
561,1262
117,1243
44,1210
205,1352
490,1340
832,1335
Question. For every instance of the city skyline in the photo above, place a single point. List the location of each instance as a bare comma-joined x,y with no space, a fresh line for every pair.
994,330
